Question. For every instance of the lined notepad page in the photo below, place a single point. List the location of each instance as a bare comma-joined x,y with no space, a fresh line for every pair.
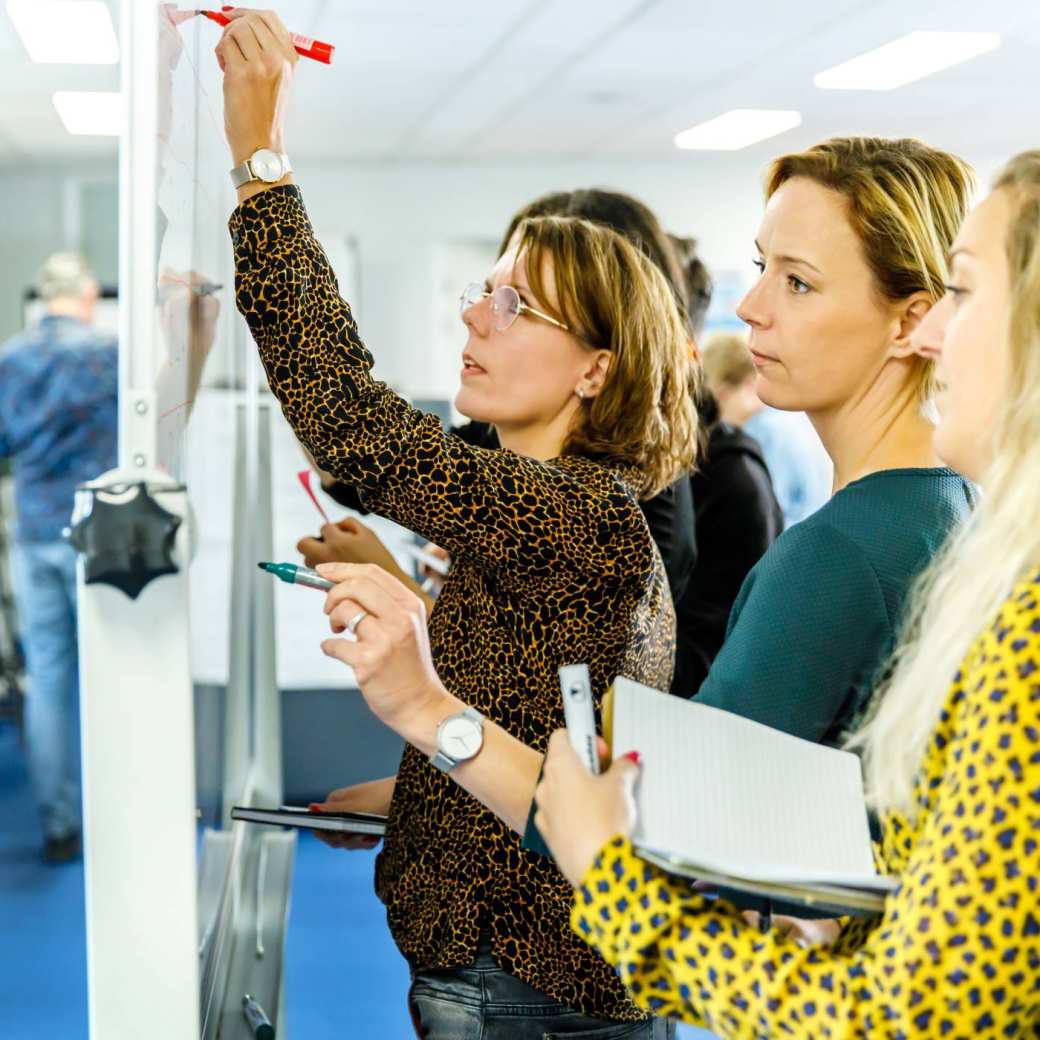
737,797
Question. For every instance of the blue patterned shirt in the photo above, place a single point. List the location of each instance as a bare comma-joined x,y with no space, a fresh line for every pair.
58,418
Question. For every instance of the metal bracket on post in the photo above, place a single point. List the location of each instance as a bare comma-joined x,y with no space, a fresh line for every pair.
140,428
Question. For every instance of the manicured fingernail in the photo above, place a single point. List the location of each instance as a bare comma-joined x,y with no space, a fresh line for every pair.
633,757
314,807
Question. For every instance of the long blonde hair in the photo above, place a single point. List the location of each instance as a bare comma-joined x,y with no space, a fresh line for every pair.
906,201
960,593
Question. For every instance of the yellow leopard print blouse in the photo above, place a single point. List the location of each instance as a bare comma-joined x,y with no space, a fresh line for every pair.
553,565
956,953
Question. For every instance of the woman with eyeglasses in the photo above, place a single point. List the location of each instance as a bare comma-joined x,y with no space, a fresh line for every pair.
577,353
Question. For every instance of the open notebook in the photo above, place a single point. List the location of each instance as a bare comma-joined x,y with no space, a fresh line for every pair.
731,802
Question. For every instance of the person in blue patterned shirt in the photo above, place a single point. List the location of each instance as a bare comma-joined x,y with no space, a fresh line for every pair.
58,425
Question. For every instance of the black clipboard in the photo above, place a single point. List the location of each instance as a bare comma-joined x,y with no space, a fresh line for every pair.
304,819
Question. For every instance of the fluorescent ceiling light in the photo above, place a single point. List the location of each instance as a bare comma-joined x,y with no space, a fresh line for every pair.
737,129
75,32
90,111
910,58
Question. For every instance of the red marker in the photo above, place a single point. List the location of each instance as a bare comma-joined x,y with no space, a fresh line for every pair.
304,477
306,47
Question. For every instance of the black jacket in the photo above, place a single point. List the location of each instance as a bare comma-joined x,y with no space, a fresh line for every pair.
737,519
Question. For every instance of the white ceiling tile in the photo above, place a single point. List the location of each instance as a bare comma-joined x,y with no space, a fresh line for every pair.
462,79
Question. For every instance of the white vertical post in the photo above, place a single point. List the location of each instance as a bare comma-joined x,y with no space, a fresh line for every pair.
136,691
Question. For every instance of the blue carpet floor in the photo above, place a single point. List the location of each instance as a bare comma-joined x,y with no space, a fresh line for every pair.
344,978
43,952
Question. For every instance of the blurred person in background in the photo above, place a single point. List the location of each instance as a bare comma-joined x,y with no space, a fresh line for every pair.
800,469
696,281
58,425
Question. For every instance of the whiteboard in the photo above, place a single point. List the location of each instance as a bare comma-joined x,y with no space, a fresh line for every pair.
195,342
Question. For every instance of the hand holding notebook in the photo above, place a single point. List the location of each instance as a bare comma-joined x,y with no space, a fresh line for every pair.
729,801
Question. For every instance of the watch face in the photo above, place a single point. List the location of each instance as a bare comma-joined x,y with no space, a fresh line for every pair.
460,738
267,165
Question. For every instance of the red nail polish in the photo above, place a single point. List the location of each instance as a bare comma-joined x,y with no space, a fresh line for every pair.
633,756
314,807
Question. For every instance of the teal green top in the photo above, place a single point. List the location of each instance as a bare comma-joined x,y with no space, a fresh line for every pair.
817,617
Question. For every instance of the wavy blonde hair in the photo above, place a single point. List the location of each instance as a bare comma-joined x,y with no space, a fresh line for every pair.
960,593
906,201
614,298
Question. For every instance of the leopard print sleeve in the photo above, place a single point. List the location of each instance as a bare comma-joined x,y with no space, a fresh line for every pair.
491,505
957,951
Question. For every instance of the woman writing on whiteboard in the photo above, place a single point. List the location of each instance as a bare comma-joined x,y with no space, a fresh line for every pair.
578,355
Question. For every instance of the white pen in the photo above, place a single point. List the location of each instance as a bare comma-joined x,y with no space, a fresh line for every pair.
579,713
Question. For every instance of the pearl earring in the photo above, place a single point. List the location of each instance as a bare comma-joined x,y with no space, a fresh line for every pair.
580,393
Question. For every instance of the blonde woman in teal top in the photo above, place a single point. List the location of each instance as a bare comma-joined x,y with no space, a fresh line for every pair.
852,255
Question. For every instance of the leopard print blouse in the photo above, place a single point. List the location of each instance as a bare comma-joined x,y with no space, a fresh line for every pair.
956,953
553,565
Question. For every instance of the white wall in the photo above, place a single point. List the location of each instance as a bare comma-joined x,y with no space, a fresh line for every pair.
48,207
400,214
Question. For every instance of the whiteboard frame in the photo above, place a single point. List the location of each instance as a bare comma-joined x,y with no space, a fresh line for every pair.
135,676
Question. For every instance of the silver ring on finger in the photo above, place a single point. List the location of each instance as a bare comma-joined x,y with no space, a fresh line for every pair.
356,620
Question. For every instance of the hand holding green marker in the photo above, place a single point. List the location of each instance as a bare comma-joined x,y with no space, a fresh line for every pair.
296,575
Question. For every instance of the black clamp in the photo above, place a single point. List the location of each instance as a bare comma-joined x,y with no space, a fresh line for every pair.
126,542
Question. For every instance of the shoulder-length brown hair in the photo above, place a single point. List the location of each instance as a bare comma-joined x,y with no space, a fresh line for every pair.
613,298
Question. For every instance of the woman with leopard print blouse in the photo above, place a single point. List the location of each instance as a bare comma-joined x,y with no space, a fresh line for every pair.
578,355
953,765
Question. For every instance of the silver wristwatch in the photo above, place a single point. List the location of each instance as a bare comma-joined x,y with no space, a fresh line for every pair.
459,738
263,165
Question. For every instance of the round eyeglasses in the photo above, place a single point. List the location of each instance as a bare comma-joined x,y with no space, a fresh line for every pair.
506,305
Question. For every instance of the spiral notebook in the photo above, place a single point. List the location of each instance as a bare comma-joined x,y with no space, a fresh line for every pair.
728,801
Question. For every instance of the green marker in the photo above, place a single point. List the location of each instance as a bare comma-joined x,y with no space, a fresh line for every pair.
294,575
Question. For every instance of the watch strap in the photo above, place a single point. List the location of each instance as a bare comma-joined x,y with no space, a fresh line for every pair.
243,173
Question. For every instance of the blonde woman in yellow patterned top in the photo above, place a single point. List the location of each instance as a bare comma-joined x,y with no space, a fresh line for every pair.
577,353
952,751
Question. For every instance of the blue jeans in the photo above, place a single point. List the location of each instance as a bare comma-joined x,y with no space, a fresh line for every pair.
45,592
483,1002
